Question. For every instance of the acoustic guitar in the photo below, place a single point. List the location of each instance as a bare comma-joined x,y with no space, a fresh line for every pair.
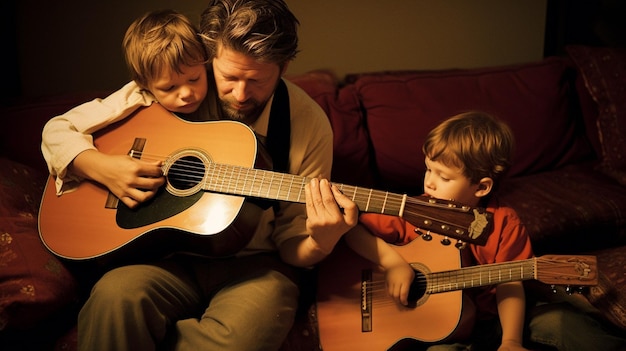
209,172
355,312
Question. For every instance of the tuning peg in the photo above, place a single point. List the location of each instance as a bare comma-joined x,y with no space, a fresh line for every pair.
426,237
568,290
553,288
445,241
460,244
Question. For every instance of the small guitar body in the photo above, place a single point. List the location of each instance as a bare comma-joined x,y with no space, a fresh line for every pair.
355,312
344,323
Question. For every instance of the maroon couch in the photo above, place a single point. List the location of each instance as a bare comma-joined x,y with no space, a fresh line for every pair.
568,183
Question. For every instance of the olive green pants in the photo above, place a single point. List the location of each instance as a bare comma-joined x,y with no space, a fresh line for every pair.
191,304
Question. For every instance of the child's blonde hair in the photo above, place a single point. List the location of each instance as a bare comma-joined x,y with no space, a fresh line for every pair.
158,41
477,143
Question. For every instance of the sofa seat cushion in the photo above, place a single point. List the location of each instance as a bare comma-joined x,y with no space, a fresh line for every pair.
570,210
534,99
34,284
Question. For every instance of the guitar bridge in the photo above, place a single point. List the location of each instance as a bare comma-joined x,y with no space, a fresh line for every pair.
135,151
366,300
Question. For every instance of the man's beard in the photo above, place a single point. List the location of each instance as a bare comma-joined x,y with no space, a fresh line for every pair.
244,117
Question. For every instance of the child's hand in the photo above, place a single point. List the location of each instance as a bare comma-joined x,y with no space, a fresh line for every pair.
133,181
399,278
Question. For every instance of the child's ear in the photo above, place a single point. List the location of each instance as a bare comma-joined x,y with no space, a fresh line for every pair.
484,187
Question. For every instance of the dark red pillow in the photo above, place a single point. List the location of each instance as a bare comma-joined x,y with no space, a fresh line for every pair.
604,72
33,283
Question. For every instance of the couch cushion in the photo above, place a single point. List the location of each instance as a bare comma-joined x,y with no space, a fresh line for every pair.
533,98
350,140
33,283
604,73
570,210
351,146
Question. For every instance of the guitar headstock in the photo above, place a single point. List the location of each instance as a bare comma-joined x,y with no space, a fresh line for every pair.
449,218
567,270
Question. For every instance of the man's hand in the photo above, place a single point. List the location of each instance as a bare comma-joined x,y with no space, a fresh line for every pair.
330,213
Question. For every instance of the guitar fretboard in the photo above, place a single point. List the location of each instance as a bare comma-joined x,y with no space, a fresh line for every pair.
188,174
288,187
475,276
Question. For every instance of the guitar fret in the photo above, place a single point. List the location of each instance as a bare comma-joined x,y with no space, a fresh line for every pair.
304,181
282,177
289,188
385,201
254,173
369,197
269,188
261,182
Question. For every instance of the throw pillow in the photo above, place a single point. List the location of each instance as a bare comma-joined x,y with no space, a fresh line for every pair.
604,72
34,284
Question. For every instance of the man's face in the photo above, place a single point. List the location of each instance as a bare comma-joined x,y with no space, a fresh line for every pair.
244,85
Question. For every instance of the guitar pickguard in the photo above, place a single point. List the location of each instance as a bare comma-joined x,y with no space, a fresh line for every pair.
164,205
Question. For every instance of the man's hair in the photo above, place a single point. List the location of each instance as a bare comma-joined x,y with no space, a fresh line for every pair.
158,41
477,143
265,30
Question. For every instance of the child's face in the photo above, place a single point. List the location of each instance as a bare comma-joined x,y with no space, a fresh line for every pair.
244,85
449,183
181,93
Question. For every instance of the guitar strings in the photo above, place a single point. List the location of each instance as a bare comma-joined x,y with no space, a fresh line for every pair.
192,170
573,271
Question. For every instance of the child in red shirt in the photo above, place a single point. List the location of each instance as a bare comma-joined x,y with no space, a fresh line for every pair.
466,156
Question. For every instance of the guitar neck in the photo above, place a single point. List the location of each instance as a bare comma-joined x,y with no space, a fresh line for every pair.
289,187
476,276
549,269
447,218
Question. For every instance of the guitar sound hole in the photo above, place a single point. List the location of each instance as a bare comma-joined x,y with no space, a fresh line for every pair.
186,172
417,289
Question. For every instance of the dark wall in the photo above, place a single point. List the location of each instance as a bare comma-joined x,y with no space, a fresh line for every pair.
587,22
10,77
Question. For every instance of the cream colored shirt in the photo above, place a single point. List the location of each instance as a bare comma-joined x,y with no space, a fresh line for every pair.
67,135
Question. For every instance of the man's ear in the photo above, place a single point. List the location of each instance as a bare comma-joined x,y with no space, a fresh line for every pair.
284,67
485,186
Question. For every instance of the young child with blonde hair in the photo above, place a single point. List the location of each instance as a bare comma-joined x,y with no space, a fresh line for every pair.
167,61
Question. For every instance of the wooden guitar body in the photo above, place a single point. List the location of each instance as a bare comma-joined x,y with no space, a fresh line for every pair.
354,311
79,225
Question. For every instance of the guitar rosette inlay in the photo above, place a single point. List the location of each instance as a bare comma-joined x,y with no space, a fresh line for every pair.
186,171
